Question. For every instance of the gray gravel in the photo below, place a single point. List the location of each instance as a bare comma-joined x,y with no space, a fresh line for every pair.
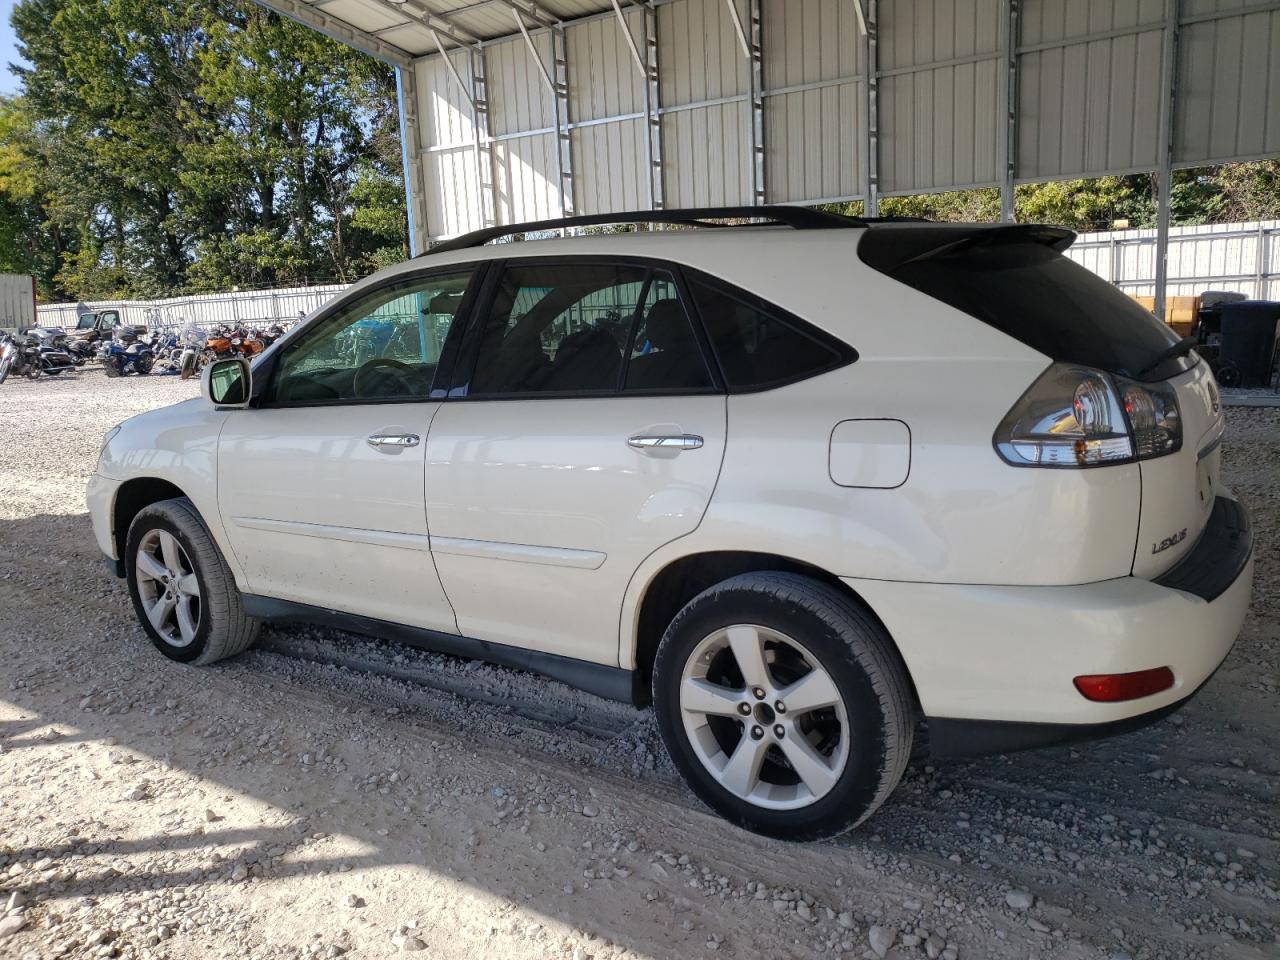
330,795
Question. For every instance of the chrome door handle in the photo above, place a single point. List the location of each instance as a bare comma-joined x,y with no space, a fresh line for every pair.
393,440
679,441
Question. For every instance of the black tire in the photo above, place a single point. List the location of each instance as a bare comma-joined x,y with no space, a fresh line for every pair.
110,368
224,629
5,366
855,652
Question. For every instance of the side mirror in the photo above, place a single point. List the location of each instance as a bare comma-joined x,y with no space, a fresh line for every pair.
227,383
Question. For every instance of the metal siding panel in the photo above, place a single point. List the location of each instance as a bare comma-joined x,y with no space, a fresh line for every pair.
698,55
1228,101
603,78
443,111
452,196
609,165
1089,108
807,41
705,156
812,138
525,178
518,96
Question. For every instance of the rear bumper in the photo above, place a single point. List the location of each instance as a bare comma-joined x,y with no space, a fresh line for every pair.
993,665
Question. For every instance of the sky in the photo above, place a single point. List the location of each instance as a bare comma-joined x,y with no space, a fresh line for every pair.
8,50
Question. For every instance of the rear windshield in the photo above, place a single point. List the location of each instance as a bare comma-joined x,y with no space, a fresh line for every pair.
1027,289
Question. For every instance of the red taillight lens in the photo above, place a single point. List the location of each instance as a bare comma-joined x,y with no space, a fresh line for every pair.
1115,687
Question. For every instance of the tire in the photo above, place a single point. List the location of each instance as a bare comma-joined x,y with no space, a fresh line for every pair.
808,632
34,371
218,625
5,365
110,367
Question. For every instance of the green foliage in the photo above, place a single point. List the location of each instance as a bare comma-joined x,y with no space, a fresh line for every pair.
177,145
1232,193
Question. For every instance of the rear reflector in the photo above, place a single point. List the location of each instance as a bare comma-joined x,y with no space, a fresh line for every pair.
1114,687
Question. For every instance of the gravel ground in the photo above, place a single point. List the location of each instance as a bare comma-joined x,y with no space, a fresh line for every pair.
327,795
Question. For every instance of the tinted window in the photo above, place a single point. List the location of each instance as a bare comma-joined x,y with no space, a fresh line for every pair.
567,328
756,346
1014,279
383,346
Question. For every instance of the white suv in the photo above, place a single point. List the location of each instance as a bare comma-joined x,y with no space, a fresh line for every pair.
801,484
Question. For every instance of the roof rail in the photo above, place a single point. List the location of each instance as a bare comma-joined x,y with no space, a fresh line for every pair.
799,218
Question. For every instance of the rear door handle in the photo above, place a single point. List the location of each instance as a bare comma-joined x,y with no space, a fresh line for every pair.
678,441
393,440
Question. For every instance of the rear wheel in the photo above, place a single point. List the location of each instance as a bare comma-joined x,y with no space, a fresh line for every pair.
183,592
110,367
784,705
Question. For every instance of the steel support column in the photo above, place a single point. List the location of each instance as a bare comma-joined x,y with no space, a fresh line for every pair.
486,198
414,186
564,143
756,56
871,69
1164,174
652,104
1007,146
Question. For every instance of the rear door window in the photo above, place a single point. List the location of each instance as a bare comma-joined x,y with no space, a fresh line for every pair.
586,328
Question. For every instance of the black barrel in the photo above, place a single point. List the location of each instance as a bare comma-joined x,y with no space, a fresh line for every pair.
1248,343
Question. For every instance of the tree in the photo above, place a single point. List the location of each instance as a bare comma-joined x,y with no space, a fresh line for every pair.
198,144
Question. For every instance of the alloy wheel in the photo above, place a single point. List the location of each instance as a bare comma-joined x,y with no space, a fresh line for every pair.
168,587
764,717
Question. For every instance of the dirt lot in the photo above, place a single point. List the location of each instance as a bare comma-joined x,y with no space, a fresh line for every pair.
326,795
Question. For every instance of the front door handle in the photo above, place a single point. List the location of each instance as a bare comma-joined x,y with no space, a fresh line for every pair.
678,441
393,440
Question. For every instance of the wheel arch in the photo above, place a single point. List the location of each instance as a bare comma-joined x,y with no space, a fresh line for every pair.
651,607
132,497
137,493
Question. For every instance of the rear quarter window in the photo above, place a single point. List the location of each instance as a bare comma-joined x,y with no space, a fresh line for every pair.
759,345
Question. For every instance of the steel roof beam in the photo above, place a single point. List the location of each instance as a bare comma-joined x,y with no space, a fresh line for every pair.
309,16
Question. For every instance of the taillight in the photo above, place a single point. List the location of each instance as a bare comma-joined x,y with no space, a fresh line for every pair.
1075,416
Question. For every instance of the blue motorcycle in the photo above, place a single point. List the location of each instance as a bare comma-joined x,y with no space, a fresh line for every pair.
125,354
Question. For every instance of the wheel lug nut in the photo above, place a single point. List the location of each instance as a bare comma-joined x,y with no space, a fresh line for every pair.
757,733
744,708
759,693
779,731
780,707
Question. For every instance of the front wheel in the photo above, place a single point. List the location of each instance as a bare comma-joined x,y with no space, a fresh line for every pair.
5,366
182,589
784,705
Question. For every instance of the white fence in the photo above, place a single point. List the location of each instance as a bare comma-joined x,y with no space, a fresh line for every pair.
1244,257
1230,256
253,308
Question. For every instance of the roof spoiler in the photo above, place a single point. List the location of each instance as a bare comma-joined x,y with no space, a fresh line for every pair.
886,248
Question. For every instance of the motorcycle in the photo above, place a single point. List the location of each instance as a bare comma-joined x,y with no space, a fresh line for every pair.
19,354
54,356
195,352
125,354
167,353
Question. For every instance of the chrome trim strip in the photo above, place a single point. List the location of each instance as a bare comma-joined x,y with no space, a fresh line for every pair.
518,552
324,531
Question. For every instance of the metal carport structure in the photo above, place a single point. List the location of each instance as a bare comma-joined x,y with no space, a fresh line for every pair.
518,110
